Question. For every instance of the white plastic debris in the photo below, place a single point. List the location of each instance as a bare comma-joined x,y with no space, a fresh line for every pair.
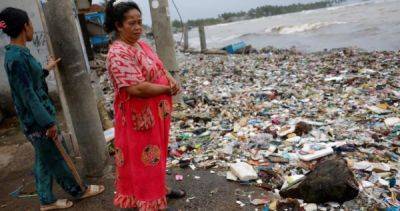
381,167
311,207
189,199
241,204
109,134
393,121
317,154
291,180
192,166
337,78
368,166
367,71
230,176
244,171
294,139
285,130
228,149
257,202
383,182
367,184
363,165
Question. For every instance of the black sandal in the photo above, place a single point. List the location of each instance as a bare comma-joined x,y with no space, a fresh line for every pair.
176,194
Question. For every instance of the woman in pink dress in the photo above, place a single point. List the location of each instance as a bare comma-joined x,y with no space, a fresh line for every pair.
143,106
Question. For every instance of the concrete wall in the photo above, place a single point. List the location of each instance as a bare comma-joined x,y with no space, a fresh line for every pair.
38,48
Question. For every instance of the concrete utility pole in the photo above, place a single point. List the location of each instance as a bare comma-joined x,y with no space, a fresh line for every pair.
60,87
67,43
203,42
163,34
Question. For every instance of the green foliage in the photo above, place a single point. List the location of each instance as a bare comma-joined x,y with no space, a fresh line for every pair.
258,12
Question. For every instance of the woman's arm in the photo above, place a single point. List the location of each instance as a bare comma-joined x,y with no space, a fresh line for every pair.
22,83
147,90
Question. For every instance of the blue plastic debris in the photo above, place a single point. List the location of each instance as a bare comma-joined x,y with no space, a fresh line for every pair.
397,208
98,40
98,18
234,48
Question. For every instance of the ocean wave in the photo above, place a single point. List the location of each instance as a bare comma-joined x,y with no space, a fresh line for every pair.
348,5
301,28
359,3
306,12
247,35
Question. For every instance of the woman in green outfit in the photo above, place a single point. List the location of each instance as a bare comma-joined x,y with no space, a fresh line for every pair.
36,112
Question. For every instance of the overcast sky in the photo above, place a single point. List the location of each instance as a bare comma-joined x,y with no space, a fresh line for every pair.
194,9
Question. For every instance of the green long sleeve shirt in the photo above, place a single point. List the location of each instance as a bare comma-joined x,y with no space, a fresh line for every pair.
26,76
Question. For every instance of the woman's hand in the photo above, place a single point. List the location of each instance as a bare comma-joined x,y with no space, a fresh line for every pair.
51,63
52,132
175,88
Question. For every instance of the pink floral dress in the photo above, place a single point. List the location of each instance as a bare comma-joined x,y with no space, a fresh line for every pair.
141,127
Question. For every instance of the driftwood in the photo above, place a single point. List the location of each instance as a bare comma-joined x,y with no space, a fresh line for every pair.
331,181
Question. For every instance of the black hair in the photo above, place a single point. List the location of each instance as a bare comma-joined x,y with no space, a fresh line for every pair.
15,20
116,14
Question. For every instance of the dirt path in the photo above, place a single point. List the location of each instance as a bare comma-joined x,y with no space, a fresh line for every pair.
209,192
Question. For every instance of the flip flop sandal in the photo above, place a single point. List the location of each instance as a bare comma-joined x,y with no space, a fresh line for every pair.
59,204
93,190
176,194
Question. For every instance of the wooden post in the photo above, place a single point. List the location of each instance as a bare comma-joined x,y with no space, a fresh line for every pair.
86,36
202,35
161,24
185,37
67,43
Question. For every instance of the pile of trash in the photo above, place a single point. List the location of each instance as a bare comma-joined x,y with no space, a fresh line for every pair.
317,131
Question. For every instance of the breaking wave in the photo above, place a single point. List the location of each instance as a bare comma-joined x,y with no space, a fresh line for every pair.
300,28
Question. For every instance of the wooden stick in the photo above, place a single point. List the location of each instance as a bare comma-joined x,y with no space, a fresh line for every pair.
69,162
